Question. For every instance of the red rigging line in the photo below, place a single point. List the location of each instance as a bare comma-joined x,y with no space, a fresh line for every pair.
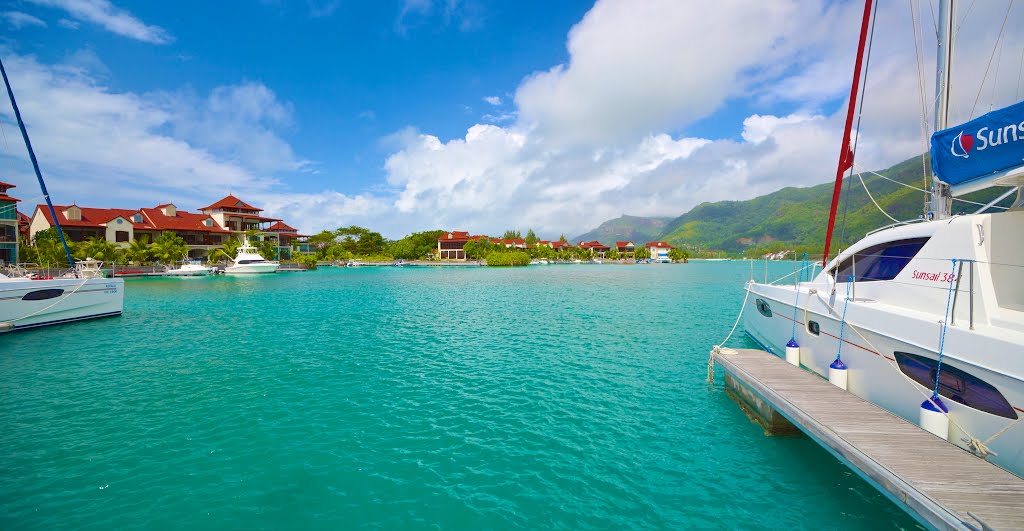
845,154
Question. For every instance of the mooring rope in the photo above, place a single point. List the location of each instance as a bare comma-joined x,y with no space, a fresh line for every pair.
718,348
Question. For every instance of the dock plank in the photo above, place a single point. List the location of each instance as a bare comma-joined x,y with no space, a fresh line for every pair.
885,449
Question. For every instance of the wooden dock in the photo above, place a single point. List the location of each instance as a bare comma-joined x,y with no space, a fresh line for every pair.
938,483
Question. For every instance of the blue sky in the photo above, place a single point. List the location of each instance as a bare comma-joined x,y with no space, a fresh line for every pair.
477,115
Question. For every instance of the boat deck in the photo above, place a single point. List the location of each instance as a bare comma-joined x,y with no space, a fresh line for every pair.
938,483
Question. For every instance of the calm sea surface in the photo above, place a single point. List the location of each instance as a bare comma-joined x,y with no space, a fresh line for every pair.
559,397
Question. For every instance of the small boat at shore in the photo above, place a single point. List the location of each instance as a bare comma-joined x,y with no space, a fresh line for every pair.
249,262
190,268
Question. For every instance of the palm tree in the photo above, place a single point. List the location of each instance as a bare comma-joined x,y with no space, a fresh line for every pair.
229,249
97,248
169,247
139,250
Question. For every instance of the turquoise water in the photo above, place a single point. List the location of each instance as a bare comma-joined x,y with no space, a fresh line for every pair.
559,397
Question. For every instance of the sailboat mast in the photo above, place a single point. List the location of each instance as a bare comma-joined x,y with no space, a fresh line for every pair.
35,165
941,201
845,154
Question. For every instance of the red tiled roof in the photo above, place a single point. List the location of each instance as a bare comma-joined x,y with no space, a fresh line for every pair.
454,236
181,220
623,244
232,202
3,192
92,217
561,245
23,219
6,185
660,245
593,244
249,216
281,226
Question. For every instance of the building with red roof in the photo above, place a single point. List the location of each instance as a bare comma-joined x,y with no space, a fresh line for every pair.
597,247
625,248
659,251
238,216
8,225
288,238
451,245
560,245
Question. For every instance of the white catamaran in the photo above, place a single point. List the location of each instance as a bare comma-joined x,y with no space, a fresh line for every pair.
81,293
933,309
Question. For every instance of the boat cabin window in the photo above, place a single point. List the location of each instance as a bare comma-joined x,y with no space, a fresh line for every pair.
813,328
763,307
879,262
251,261
955,384
42,294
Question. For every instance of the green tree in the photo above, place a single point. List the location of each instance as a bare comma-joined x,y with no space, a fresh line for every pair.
612,254
562,239
27,253
268,249
169,247
138,250
512,235
679,255
49,251
642,253
228,250
416,245
531,237
96,248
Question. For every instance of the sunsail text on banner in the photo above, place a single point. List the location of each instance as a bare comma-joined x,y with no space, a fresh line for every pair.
982,152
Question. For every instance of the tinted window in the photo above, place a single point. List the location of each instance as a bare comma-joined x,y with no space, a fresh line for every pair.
813,327
763,307
956,385
43,294
879,262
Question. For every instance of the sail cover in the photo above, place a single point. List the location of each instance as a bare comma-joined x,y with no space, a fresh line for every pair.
987,146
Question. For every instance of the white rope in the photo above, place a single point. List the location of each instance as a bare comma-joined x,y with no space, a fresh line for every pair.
872,198
860,170
718,348
58,301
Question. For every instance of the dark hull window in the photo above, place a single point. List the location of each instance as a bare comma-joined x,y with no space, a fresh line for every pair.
763,307
879,262
956,385
813,327
43,294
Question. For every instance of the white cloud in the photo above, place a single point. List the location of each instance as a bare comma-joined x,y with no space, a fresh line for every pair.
69,24
111,18
18,20
493,100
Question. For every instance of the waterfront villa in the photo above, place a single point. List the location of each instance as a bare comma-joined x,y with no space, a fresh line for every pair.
8,225
451,246
597,247
625,248
659,251
202,232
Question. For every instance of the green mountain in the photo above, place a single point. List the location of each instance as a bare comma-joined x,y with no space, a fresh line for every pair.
799,216
792,217
626,228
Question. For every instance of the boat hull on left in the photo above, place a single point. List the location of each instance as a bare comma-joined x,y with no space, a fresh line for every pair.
26,303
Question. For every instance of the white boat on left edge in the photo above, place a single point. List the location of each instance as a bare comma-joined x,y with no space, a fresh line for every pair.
29,303
80,294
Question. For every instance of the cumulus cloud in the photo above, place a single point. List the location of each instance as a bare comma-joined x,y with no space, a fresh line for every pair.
18,20
493,100
590,140
110,18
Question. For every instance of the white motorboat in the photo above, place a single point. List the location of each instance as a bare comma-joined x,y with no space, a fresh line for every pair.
83,293
191,268
249,262
927,315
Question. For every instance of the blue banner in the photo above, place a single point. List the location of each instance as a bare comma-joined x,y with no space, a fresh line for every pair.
988,144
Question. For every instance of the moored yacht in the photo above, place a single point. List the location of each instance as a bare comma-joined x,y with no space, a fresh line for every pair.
248,262
926,315
82,293
191,268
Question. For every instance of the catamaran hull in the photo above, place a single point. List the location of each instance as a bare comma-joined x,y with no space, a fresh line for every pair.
28,304
874,372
